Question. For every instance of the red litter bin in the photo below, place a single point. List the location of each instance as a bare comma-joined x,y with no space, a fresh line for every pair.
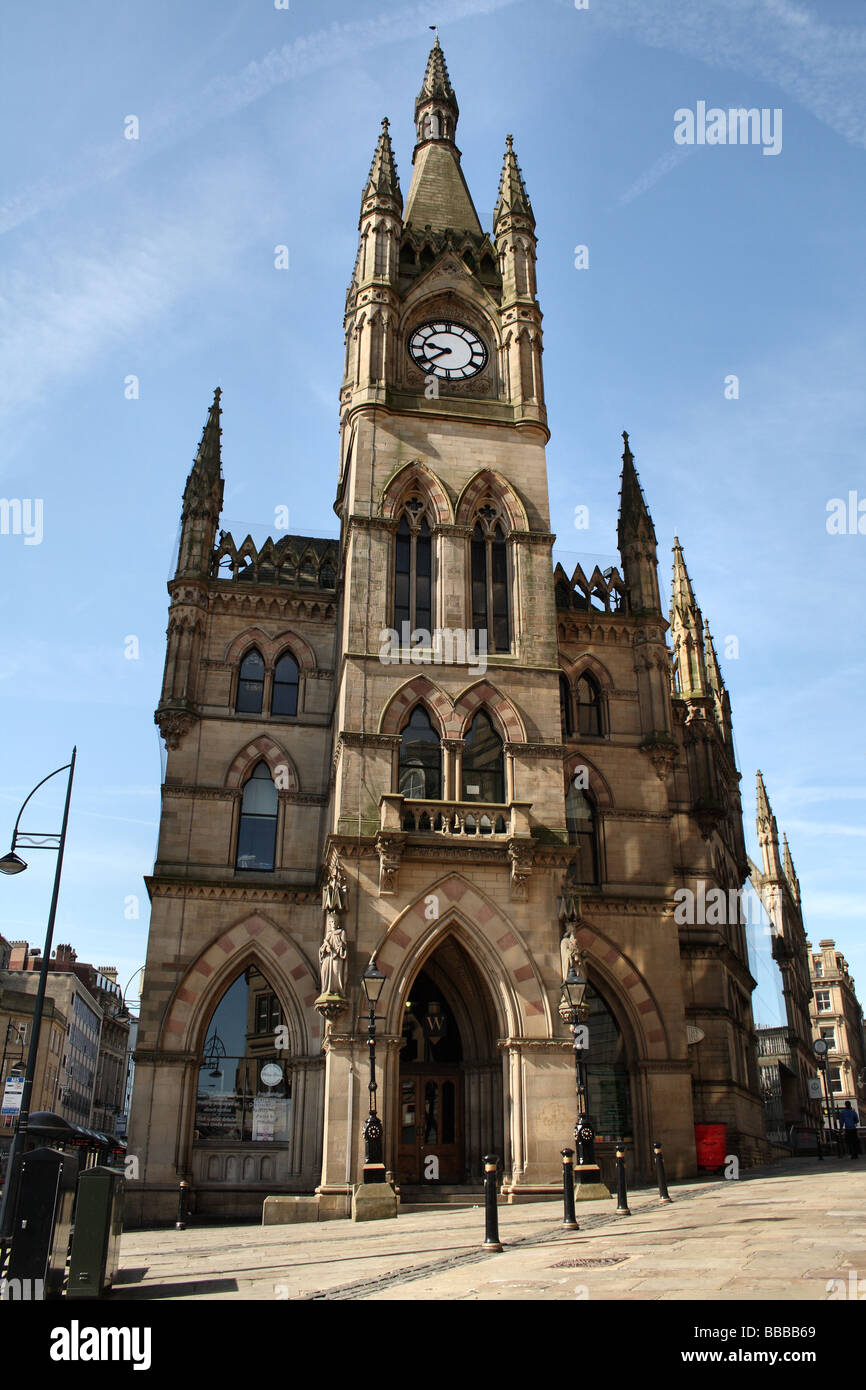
711,1144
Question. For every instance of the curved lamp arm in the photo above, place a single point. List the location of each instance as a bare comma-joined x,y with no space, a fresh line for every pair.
52,836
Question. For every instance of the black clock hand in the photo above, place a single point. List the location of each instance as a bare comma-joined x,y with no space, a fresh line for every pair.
432,353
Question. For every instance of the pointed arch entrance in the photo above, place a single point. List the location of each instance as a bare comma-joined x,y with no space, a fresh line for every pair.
450,1088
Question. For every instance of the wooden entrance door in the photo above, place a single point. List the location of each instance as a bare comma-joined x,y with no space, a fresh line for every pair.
431,1126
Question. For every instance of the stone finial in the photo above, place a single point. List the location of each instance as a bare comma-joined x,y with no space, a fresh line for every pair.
513,200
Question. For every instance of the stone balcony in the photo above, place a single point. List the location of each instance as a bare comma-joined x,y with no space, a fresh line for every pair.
403,820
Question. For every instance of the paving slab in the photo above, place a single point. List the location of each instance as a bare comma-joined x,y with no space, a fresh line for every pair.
780,1233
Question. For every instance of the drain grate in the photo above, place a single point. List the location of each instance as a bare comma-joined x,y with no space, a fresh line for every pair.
590,1263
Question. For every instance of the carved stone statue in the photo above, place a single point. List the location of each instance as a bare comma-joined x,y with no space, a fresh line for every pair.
332,955
335,891
332,952
568,948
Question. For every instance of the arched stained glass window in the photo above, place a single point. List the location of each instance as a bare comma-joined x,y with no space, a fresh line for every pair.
257,835
420,775
284,699
483,761
251,684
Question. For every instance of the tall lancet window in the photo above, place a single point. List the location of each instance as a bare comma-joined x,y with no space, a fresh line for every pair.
257,835
491,610
589,720
483,761
251,684
284,697
580,821
420,759
413,569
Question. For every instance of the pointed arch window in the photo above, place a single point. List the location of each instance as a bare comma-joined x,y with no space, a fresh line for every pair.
413,569
589,720
580,820
420,762
483,761
608,1073
244,1083
490,598
251,684
284,697
257,833
565,708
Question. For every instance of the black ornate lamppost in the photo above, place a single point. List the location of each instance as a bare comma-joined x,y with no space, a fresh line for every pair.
374,1165
12,863
574,1011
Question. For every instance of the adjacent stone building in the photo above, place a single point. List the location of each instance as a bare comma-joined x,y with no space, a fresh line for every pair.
837,1017
92,1073
16,1025
427,745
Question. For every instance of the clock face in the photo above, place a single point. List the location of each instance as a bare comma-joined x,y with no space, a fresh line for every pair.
447,350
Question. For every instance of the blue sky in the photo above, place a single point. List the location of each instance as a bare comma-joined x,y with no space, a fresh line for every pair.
155,258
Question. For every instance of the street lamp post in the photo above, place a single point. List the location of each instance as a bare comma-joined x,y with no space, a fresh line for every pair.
819,1047
129,1060
374,1165
11,863
574,1012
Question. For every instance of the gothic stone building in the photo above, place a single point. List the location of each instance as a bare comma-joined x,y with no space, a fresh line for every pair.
333,795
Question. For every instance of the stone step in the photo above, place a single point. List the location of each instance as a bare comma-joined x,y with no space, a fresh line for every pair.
436,1195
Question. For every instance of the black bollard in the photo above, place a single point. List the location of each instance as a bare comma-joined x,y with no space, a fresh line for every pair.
491,1211
569,1219
180,1223
660,1172
622,1207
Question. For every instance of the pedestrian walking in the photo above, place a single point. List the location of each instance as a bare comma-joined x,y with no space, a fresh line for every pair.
850,1121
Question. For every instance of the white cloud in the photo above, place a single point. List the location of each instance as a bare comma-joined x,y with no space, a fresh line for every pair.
663,165
328,47
63,306
818,64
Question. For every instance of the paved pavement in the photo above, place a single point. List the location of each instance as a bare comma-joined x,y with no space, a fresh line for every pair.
785,1232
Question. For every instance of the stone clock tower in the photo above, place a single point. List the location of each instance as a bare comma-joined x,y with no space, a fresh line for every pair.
427,747
445,528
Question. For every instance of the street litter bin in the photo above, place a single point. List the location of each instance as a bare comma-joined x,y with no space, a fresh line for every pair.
95,1252
42,1222
711,1145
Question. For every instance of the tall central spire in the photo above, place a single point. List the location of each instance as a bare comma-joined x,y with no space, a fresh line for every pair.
436,109
438,197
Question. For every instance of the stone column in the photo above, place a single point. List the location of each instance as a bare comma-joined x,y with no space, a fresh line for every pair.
542,1114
